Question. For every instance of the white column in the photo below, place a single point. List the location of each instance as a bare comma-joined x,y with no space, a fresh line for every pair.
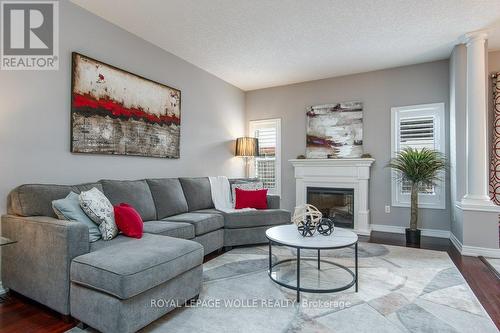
477,116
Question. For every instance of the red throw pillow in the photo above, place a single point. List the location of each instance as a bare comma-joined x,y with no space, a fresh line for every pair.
128,221
251,199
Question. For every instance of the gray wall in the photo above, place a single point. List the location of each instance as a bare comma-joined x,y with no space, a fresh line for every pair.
379,91
35,114
458,95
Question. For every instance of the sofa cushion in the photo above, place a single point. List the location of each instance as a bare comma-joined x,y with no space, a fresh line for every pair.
202,223
256,218
133,192
168,197
36,199
133,266
197,192
208,211
169,228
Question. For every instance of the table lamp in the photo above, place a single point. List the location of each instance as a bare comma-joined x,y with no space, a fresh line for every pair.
247,147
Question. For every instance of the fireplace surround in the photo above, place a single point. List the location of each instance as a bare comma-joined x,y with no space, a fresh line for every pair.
327,175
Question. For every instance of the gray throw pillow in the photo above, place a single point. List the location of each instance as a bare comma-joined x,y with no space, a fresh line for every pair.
69,209
98,208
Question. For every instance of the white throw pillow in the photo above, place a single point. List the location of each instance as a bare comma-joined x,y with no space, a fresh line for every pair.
245,186
98,208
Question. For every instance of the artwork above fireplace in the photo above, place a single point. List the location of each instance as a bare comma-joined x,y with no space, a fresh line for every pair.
335,130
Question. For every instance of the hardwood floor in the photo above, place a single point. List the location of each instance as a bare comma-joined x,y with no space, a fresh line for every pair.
19,314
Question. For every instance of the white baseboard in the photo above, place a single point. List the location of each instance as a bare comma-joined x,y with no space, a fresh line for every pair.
458,244
474,251
362,232
464,250
401,230
2,289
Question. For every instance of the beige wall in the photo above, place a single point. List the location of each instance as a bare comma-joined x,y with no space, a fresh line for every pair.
35,112
379,91
494,62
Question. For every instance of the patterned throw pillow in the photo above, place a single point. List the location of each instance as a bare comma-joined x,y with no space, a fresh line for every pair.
98,208
245,186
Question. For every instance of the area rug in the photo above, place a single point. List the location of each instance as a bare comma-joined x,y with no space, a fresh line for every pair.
400,290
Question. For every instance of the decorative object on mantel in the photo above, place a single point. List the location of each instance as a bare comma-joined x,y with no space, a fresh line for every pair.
120,113
366,155
335,130
247,147
301,157
421,168
325,226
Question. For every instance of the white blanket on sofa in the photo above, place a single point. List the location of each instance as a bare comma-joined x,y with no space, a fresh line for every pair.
221,195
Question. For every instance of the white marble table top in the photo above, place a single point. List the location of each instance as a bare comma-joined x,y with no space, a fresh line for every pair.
289,235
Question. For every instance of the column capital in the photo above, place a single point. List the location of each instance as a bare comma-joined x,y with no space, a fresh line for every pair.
475,36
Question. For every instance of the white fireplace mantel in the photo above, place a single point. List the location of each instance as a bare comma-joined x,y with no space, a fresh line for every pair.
352,173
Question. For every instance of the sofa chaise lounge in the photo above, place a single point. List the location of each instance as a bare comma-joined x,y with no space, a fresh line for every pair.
110,285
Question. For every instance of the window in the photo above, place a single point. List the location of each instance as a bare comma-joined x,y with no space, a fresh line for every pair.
267,166
418,126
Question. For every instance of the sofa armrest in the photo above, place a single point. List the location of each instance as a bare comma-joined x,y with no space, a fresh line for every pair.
38,265
273,201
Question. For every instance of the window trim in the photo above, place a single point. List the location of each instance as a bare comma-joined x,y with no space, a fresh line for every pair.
277,166
436,110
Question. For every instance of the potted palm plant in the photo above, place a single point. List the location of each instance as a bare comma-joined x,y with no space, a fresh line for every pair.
419,167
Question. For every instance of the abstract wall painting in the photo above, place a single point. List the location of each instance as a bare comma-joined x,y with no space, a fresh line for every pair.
120,113
335,130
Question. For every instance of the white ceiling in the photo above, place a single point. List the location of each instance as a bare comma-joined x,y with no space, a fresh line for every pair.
261,43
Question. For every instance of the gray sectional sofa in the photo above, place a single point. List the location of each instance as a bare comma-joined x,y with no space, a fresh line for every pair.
110,285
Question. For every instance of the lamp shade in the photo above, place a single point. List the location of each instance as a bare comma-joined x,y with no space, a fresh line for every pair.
247,146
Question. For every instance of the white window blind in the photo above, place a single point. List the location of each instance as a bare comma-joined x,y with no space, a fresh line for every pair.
418,133
418,126
266,166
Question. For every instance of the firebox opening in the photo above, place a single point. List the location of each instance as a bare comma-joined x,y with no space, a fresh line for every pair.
334,203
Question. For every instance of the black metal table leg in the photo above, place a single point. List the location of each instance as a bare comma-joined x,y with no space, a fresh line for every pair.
319,262
270,259
356,264
298,275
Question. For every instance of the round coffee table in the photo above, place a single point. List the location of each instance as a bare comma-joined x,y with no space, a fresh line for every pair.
287,235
